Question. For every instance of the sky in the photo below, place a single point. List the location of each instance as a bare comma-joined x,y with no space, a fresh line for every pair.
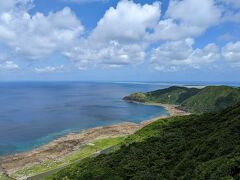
126,40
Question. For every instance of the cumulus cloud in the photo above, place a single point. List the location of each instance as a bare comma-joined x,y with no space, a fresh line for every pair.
36,36
85,1
188,18
232,3
127,22
168,29
49,69
123,36
175,55
202,13
118,38
8,5
111,54
231,10
9,65
231,53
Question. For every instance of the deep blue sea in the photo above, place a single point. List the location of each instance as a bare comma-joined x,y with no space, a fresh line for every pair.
34,113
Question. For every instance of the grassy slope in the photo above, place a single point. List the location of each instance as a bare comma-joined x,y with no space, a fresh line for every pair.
3,177
208,99
192,147
84,152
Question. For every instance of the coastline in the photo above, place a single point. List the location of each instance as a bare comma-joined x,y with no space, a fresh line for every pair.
63,146
172,109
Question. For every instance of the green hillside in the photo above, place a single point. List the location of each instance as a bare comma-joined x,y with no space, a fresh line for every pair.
171,95
212,98
189,147
208,99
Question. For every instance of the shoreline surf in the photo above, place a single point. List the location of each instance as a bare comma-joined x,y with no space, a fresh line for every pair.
63,146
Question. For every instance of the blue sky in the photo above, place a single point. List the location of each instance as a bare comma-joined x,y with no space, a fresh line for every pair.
110,40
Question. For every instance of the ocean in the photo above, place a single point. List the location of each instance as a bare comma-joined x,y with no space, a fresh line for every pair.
35,113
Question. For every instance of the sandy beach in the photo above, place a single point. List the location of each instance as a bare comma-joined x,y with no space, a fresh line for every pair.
65,145
172,109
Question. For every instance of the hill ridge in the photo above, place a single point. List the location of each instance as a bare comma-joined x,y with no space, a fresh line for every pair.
207,99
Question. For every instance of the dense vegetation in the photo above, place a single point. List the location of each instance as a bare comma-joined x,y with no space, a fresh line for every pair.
212,98
171,95
208,99
203,146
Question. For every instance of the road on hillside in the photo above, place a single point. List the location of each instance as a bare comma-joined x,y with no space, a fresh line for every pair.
51,172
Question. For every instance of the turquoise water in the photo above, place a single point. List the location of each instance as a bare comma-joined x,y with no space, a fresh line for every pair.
34,113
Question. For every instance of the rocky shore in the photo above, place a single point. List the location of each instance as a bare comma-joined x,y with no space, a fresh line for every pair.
63,146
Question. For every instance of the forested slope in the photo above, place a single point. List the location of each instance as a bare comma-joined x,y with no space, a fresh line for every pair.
208,99
190,147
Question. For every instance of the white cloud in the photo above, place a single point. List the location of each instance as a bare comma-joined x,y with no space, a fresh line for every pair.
205,56
231,16
9,65
3,57
175,55
168,29
231,10
231,53
8,5
118,38
86,1
188,18
38,36
234,3
49,69
202,13
225,37
127,22
111,54
123,36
